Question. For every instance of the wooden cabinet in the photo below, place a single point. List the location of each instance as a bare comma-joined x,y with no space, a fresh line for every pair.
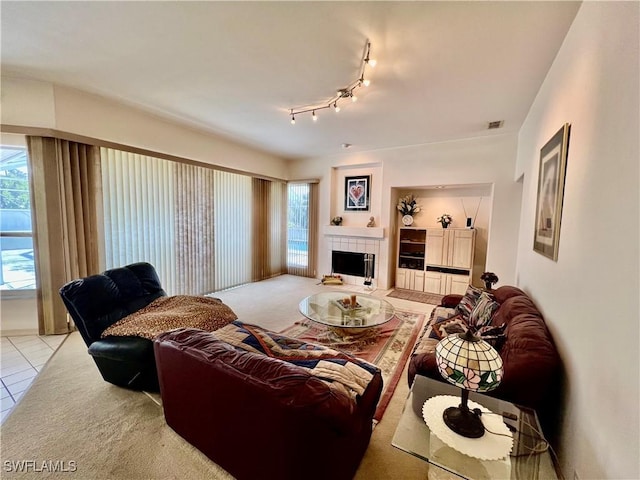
411,248
410,279
450,247
436,260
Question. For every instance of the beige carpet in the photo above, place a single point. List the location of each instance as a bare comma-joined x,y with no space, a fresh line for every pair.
71,414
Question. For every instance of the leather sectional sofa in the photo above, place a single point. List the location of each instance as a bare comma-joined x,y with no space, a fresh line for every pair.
258,416
530,359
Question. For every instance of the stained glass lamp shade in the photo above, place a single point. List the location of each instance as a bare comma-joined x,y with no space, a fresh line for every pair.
470,363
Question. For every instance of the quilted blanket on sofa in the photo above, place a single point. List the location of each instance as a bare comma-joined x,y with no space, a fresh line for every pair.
350,373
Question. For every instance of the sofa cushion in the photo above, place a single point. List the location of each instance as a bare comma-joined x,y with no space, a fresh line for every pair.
468,301
449,326
483,310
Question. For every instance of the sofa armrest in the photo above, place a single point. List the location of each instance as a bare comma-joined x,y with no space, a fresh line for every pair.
451,300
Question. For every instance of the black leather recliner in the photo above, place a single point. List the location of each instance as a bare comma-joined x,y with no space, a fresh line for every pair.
98,301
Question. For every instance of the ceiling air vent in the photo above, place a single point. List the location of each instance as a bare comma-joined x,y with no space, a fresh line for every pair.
496,124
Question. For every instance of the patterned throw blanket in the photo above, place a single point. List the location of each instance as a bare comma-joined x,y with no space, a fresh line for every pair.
168,313
349,374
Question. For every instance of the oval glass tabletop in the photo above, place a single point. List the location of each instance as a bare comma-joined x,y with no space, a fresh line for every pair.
335,309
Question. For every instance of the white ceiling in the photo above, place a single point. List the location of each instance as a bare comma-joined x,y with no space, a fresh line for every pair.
444,69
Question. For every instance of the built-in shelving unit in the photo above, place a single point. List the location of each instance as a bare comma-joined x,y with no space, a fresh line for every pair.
436,260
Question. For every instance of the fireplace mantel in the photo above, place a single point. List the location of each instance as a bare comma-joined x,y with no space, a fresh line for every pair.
367,232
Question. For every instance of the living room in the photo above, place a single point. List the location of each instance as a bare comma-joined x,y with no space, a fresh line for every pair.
592,84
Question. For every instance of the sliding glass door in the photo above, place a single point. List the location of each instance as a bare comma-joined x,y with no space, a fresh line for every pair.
302,229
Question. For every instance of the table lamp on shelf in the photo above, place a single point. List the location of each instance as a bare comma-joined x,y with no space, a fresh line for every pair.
468,362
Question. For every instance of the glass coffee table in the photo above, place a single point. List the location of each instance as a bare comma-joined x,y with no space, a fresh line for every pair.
413,436
333,309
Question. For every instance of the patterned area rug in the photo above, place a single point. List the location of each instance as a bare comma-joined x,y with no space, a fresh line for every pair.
387,346
430,298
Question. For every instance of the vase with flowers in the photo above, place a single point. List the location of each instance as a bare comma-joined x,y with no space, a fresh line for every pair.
408,207
489,278
445,220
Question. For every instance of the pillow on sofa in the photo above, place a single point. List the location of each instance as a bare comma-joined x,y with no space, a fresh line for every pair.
469,300
483,310
493,335
447,327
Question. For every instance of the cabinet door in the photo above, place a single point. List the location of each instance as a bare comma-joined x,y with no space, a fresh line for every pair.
435,246
418,283
458,284
461,248
401,278
433,282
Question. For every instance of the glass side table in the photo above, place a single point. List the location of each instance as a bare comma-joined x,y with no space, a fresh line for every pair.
413,436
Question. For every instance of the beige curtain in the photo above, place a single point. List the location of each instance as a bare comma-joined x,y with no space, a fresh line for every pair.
67,221
268,229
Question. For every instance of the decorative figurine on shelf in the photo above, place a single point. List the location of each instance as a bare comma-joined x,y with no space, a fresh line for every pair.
336,221
489,278
372,222
408,207
445,220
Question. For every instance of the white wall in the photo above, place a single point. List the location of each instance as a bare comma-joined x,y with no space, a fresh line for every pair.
486,160
590,295
39,104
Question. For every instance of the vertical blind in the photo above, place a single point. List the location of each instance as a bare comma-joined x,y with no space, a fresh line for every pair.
203,229
140,213
232,217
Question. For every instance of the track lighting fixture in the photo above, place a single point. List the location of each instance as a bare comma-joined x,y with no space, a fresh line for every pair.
342,93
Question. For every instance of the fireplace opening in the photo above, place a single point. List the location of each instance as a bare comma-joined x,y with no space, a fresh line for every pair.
350,263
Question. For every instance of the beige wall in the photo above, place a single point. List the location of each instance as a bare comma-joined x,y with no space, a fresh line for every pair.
485,161
31,103
39,104
590,295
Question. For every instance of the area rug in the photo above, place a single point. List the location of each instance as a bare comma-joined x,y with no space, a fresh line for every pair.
430,298
387,347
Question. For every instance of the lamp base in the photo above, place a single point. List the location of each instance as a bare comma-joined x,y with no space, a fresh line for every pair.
463,421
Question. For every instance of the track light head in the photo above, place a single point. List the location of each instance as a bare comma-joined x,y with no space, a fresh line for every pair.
314,116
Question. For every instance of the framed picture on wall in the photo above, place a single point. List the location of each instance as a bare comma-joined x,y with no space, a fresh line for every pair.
551,177
356,194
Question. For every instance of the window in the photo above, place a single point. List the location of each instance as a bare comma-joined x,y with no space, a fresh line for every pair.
17,267
302,228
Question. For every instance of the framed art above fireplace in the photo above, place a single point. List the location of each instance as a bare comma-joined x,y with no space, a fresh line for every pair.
356,193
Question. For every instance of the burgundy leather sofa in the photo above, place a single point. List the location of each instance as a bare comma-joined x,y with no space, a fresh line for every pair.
260,417
530,359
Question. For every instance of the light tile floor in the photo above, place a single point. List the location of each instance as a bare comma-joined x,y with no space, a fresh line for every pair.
21,358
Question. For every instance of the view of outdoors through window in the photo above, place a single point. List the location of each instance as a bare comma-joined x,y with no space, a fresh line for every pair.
298,225
17,269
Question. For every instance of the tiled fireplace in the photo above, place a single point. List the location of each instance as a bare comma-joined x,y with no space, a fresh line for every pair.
356,240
